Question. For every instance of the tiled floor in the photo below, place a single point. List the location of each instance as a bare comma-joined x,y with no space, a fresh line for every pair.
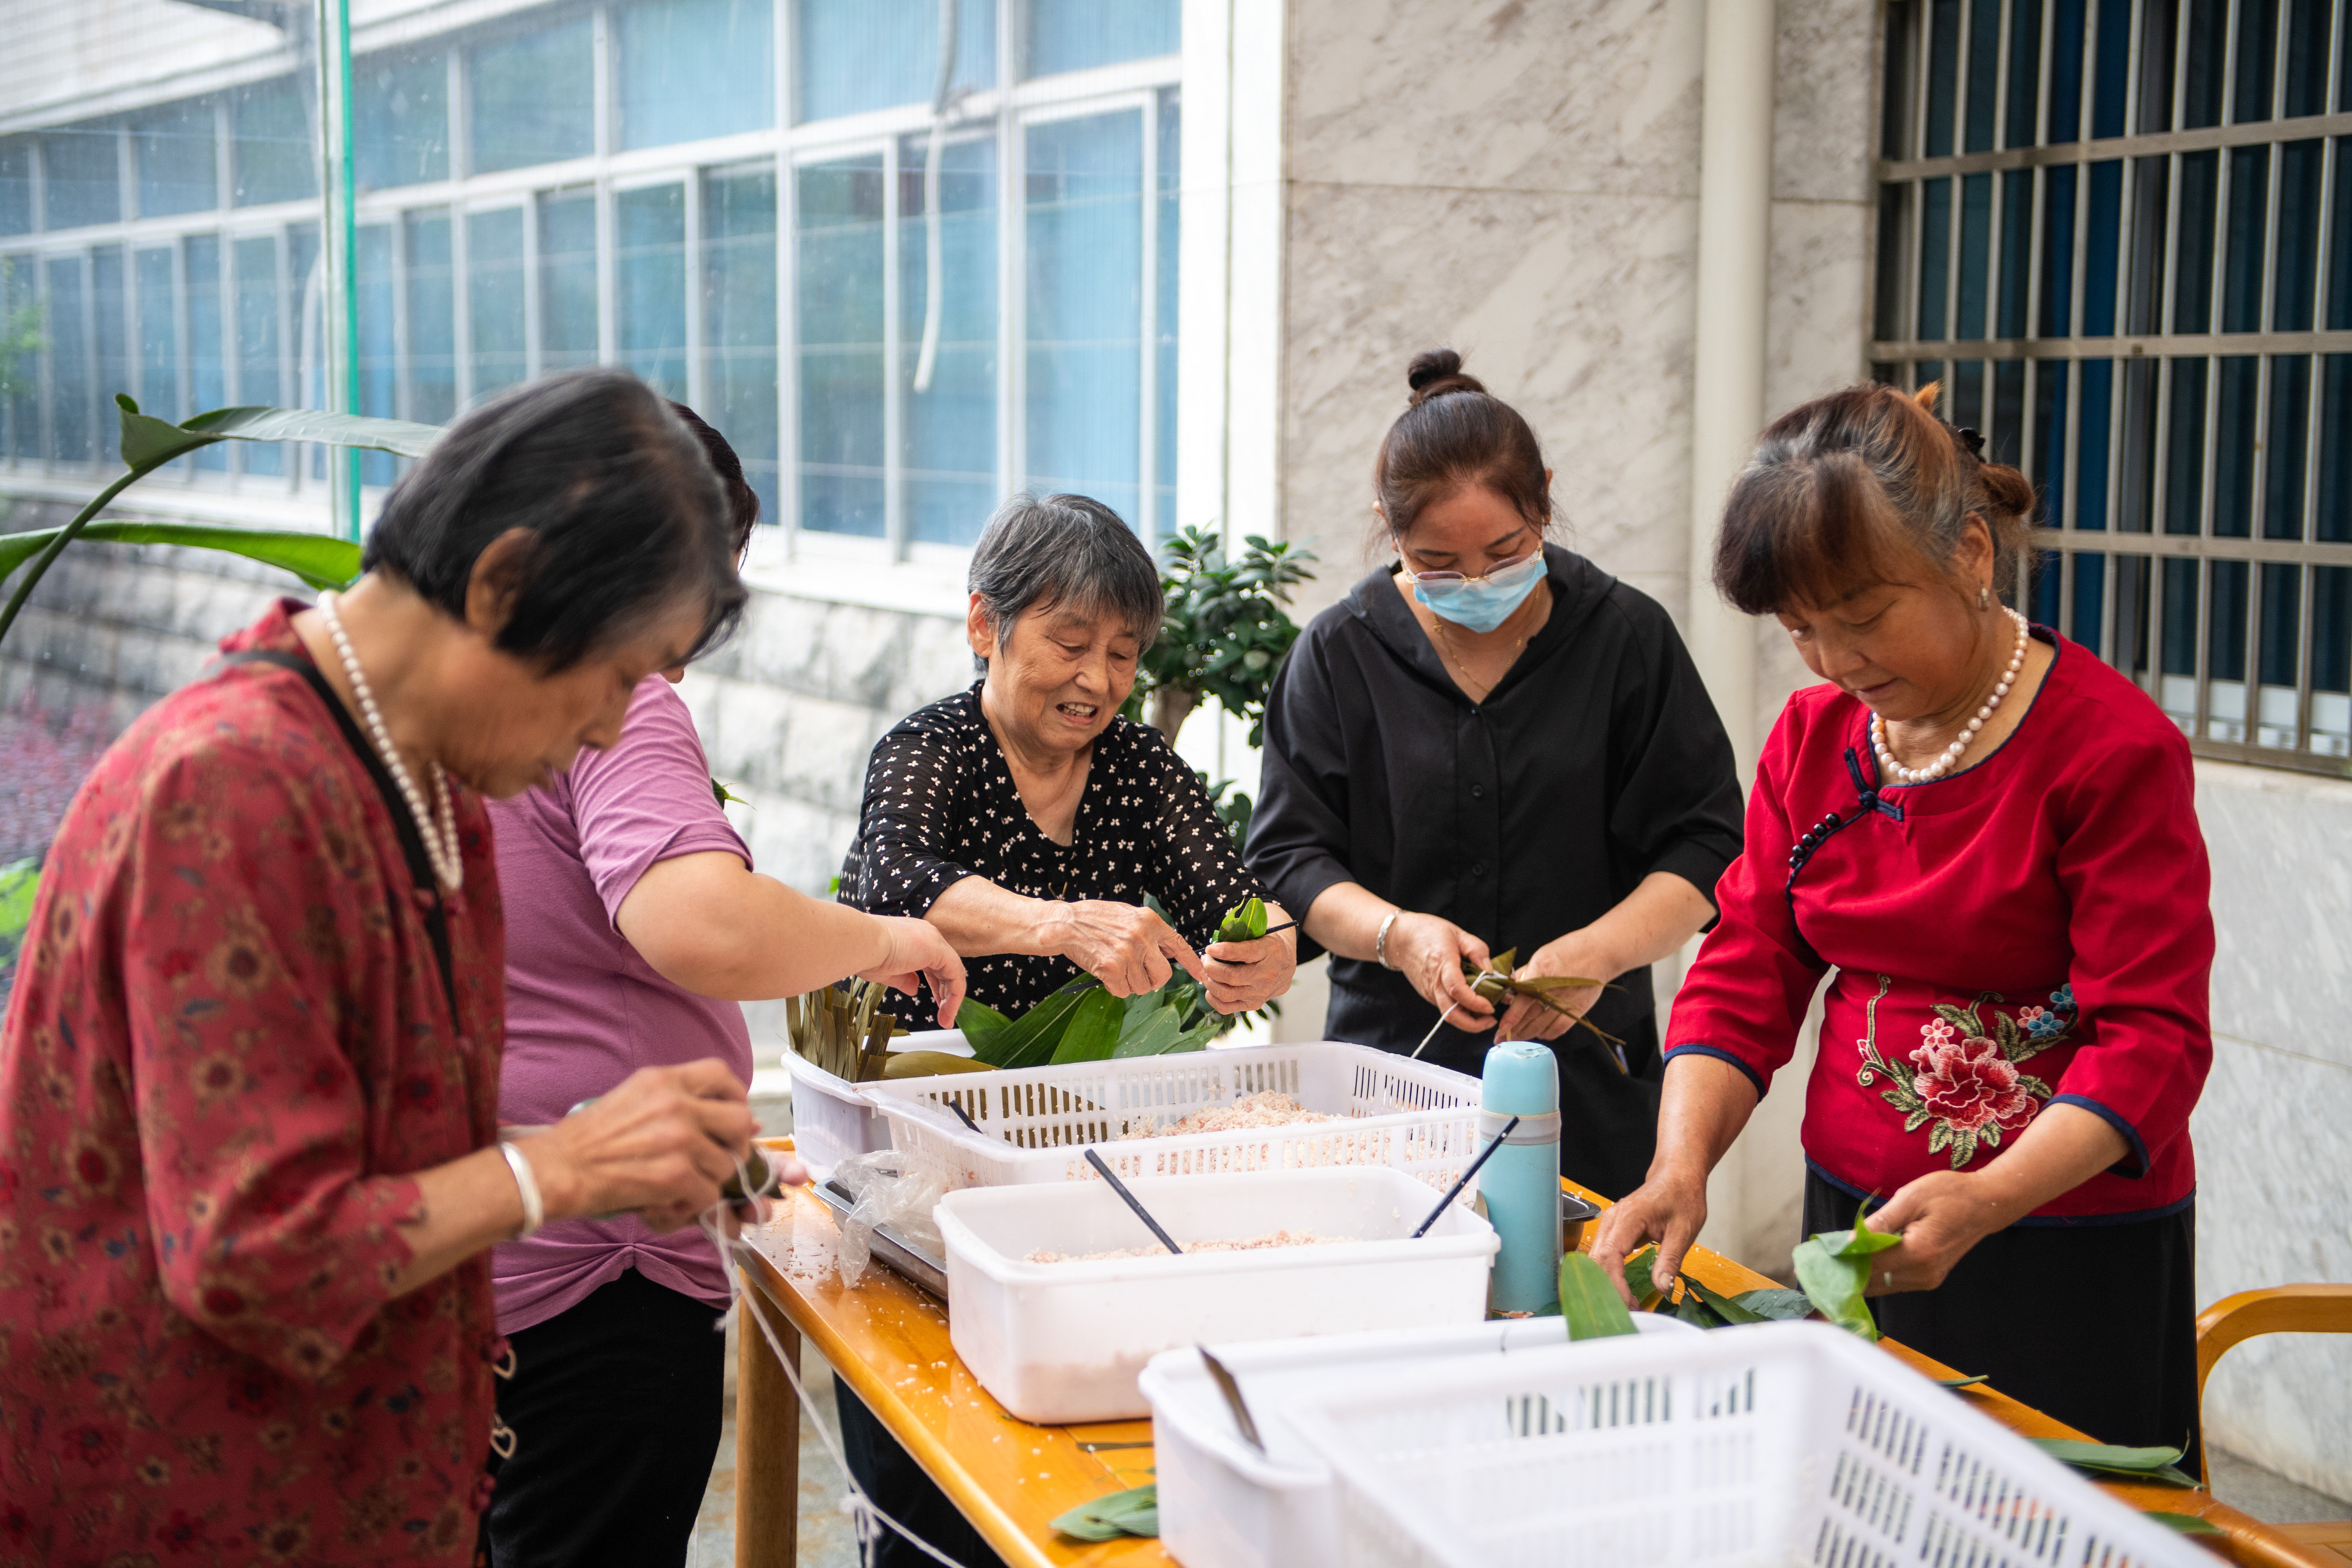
2248,1488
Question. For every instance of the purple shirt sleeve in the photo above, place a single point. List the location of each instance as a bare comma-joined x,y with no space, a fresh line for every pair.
648,799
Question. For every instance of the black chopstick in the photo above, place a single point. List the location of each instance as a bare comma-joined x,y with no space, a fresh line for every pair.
1455,1190
963,1115
1128,1199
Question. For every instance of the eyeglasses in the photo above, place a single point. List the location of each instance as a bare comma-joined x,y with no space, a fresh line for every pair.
1509,575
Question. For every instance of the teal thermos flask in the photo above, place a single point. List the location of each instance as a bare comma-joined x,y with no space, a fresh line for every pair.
1521,1185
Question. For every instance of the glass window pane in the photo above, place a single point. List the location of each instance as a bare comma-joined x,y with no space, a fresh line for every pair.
2176,688
16,184
837,250
567,282
2294,292
159,335
2135,442
2049,592
2192,275
379,356
532,98
2307,57
949,451
2048,457
1935,258
2024,71
2069,20
1894,100
22,318
2058,251
2154,113
2144,250
495,299
2134,594
432,356
2102,231
2184,448
1984,76
110,337
2283,461
2016,250
1084,211
207,349
2249,86
2003,436
2331,660
1963,401
305,287
2234,436
179,169
2090,601
2241,281
649,286
81,176
738,320
256,261
2278,646
2332,518
74,391
2205,53
2111,68
271,155
851,56
400,119
1943,74
1976,240
2225,653
1073,35
2339,243
691,69
2091,443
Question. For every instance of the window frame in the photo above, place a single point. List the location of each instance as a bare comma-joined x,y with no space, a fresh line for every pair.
2133,527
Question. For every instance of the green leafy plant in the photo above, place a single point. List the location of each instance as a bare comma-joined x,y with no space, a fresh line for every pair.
149,443
1225,630
19,880
1135,1511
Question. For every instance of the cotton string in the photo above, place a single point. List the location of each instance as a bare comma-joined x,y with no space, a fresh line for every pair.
862,1510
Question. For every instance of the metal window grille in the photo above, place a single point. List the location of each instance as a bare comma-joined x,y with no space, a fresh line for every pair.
2119,233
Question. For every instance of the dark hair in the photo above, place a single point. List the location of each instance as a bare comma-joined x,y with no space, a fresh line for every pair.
628,517
742,500
1039,552
1857,487
1456,434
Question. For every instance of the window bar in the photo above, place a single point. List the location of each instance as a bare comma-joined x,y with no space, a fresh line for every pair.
2305,588
692,263
606,138
2000,51
2314,433
1147,464
534,346
2135,44
2230,68
1923,87
461,286
603,135
788,369
290,336
183,372
1963,64
894,373
608,238
1012,326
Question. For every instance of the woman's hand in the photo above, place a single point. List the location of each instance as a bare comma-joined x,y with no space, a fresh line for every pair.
1580,954
659,1146
1243,977
1125,946
1669,1208
917,952
1428,951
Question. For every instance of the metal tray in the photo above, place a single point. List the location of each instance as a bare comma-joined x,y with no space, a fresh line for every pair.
902,1256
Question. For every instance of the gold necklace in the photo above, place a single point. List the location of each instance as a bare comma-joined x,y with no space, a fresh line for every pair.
1437,623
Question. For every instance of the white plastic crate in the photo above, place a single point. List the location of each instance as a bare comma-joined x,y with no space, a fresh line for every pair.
1035,1123
1059,1343
833,1118
1768,1445
1224,1503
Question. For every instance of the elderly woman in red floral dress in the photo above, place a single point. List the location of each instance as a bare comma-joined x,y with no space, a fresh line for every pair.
249,1159
1986,837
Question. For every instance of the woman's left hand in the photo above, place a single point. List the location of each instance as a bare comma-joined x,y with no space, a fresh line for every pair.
1243,976
1941,1216
1579,954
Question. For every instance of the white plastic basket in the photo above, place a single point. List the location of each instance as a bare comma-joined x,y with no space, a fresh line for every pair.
1058,1343
1226,1503
1768,1445
1035,1123
833,1118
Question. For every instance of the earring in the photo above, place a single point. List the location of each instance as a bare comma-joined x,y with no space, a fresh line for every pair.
1984,598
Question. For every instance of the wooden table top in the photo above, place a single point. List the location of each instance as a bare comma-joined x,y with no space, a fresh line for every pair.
889,1342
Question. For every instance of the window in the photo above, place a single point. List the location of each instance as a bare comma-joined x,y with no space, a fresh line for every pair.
2119,233
896,322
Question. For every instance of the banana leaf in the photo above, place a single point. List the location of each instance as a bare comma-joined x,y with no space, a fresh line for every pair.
321,561
1093,1031
1588,1302
1030,1040
1135,1511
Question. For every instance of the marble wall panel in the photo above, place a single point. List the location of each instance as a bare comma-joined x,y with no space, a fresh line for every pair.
1576,310
1825,99
2281,851
1600,98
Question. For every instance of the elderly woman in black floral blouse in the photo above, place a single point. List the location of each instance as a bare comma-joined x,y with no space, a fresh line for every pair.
1027,820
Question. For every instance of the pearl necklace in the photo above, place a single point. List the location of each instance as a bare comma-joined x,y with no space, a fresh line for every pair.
438,830
1951,755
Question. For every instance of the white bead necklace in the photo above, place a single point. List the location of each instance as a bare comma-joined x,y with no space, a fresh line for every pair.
438,830
1951,755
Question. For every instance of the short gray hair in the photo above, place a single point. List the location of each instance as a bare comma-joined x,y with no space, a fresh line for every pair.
1039,552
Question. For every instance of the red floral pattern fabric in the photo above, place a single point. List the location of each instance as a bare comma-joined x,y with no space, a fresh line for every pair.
227,1050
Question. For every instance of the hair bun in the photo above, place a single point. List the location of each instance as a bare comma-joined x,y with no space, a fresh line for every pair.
1436,372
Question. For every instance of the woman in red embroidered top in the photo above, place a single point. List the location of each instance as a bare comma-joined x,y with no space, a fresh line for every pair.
1986,837
250,1077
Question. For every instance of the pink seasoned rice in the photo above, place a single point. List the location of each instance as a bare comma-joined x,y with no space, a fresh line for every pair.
1246,1244
1269,1107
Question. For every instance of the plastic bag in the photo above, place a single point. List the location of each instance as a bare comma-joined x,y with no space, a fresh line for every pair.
889,1188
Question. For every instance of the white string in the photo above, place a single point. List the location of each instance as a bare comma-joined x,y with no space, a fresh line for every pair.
1432,1031
863,1512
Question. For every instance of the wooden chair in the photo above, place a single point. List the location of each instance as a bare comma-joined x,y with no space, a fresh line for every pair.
2282,1309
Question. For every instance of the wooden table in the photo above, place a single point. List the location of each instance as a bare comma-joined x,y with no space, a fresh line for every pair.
889,1342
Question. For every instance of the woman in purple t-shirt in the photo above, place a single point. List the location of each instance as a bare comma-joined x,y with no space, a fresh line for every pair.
634,924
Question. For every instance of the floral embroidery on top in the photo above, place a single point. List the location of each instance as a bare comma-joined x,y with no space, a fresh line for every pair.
1964,1078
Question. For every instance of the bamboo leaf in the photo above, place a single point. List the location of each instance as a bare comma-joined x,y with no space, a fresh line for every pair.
1588,1302
1696,1312
1155,1033
1135,1511
1836,1285
1727,1308
1777,1303
1961,1381
1093,1032
2187,1523
1638,1277
1861,1241
977,1019
2108,1458
1030,1040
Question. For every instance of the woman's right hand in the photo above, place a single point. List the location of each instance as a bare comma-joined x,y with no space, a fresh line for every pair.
1125,946
1668,1209
1428,950
658,1146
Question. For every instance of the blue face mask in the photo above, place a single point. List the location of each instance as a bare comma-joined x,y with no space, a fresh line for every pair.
1480,604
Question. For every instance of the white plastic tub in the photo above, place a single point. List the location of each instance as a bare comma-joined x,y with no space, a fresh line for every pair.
1224,1503
1756,1447
1058,1343
834,1118
1035,1123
